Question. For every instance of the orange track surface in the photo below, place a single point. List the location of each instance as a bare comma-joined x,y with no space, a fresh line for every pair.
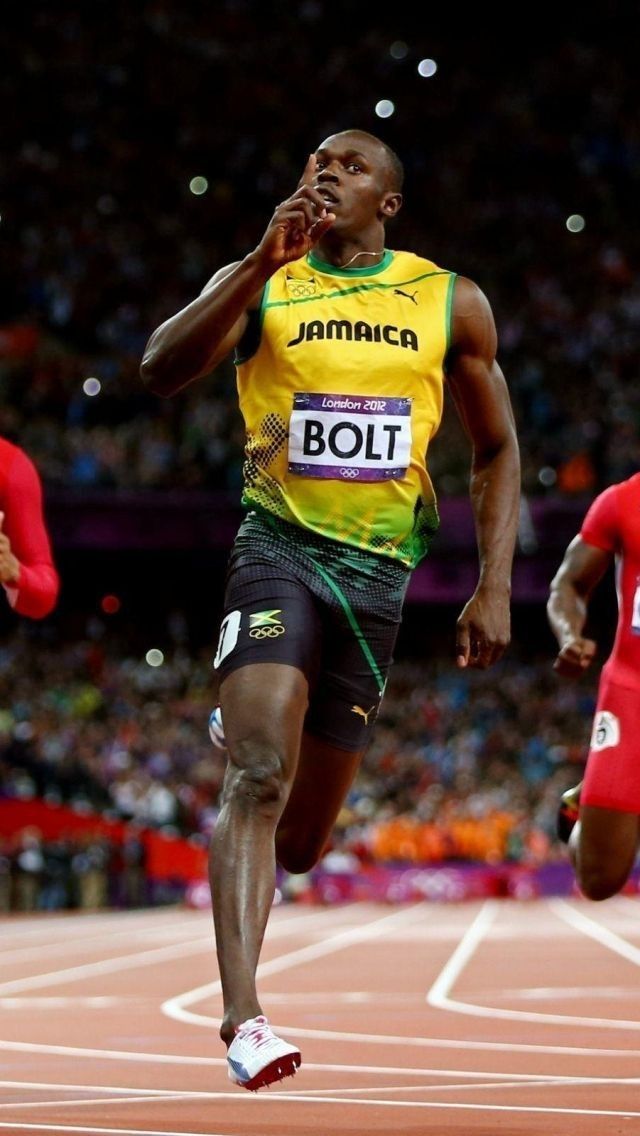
496,1018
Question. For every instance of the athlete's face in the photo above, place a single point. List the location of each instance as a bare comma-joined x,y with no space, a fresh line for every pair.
354,176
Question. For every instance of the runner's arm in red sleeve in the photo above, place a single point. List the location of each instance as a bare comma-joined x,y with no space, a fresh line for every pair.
27,571
601,525
585,562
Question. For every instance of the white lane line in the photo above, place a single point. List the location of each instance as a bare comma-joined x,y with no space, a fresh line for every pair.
56,1128
406,998
75,944
450,1086
66,1103
65,1087
321,1094
348,997
129,961
276,1098
111,1054
466,948
387,1040
98,1002
78,929
438,995
455,1105
18,929
175,1007
106,966
155,1097
595,931
436,1071
553,993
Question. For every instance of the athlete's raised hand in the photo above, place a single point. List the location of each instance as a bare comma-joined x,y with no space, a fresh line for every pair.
297,224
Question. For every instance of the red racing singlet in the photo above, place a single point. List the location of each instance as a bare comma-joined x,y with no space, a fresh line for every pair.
613,524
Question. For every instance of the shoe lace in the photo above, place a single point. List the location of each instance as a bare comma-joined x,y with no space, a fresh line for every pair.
260,1033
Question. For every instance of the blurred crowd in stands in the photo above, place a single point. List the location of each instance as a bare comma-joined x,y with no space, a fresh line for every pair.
464,767
84,872
523,171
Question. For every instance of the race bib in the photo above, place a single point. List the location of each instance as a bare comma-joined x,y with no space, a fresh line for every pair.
635,615
349,437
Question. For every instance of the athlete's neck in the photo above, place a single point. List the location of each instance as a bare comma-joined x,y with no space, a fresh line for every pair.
349,255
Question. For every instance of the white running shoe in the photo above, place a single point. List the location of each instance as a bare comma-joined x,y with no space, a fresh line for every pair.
256,1057
216,729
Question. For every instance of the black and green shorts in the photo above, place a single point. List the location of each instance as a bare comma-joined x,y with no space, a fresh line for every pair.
330,610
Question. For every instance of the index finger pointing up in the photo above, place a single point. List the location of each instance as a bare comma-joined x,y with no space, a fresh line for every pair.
309,171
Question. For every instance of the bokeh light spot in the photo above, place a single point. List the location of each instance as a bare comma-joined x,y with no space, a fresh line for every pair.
385,108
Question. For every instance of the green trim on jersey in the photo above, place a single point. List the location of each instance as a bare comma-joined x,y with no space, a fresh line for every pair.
335,270
449,316
340,292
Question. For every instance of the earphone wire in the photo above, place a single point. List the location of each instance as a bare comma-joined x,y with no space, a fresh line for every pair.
357,254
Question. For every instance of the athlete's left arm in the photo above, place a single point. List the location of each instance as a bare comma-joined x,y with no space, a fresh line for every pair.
482,400
27,571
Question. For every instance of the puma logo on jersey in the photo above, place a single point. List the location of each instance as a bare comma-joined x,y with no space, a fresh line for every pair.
363,713
407,295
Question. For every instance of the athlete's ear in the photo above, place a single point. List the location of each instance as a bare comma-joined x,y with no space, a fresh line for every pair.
391,204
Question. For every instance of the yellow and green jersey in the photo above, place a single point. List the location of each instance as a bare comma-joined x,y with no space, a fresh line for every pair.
340,380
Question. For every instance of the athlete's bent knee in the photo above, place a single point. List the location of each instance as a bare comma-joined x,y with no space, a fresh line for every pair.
598,885
256,779
295,856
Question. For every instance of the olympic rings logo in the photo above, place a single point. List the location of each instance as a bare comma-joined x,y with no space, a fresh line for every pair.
348,472
298,290
267,632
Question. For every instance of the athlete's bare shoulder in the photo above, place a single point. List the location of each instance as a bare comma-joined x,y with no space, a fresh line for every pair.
472,323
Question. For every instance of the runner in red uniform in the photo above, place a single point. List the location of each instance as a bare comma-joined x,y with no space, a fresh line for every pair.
599,818
27,571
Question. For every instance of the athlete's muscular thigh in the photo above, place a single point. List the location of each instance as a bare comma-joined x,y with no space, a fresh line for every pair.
263,707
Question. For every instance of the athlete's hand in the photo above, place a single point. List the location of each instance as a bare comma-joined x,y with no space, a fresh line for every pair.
9,565
483,629
575,656
297,224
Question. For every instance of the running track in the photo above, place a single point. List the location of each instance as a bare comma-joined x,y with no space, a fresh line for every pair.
497,1018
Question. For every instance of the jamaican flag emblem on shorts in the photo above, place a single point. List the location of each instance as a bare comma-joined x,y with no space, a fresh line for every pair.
266,624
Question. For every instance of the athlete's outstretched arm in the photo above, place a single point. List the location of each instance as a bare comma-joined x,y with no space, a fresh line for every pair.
480,393
192,342
582,568
27,571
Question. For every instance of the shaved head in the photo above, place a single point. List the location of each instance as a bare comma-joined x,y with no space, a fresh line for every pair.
394,167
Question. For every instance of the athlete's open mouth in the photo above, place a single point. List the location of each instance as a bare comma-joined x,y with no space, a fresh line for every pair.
329,197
